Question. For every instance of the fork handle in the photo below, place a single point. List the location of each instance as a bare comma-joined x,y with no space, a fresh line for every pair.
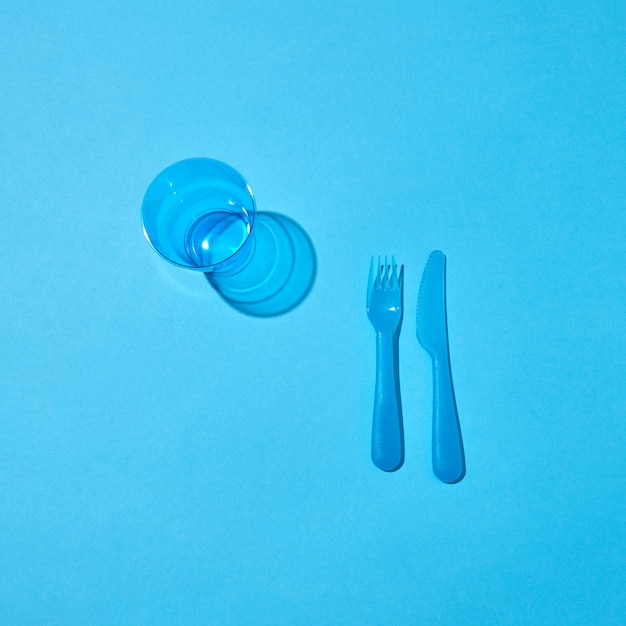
387,435
448,456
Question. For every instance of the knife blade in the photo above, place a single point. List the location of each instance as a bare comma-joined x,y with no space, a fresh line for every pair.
448,456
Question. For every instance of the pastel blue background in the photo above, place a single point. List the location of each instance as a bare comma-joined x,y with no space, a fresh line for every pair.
167,460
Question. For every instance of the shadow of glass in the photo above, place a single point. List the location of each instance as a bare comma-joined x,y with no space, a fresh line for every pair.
280,273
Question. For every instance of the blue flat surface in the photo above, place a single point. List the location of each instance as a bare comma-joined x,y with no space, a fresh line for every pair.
165,459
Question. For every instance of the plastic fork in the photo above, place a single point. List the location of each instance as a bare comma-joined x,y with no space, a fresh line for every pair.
384,309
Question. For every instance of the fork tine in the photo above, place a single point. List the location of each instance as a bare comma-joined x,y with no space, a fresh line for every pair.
398,275
387,277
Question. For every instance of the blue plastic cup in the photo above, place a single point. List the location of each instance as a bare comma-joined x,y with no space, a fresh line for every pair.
199,214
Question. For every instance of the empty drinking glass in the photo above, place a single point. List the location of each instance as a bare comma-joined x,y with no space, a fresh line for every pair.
199,214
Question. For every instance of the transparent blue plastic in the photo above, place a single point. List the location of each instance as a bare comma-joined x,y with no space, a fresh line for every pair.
200,214
384,309
448,457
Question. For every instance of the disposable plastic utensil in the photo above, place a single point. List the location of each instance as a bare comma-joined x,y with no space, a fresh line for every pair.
432,332
384,309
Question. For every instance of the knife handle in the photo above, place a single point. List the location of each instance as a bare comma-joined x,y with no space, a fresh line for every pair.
387,435
448,455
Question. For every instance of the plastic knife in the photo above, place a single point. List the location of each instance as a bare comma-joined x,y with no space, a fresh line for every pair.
432,332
